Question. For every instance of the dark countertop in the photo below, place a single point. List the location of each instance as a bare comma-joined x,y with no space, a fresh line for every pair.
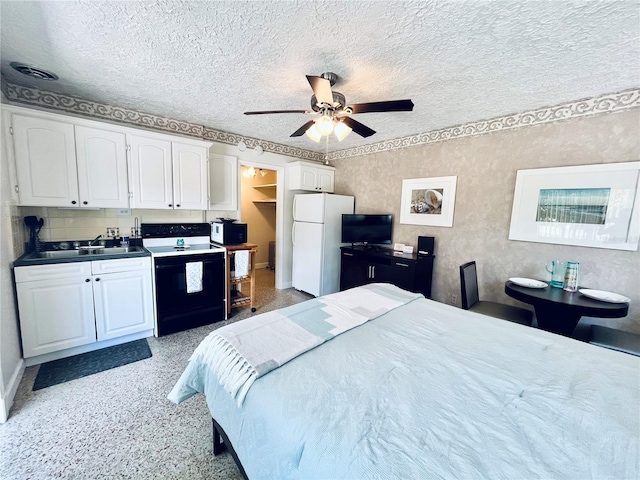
36,258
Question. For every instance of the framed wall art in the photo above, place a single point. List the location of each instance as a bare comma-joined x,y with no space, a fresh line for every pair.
588,206
428,201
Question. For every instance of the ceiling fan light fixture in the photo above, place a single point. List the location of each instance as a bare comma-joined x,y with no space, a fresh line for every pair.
313,133
324,125
341,130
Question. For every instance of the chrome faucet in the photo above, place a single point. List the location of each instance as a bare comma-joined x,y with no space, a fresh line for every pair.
95,240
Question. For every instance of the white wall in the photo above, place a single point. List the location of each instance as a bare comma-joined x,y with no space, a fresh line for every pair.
11,363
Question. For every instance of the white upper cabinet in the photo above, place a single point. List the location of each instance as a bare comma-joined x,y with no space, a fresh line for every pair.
63,161
62,165
102,168
223,182
45,162
151,175
311,177
190,190
168,175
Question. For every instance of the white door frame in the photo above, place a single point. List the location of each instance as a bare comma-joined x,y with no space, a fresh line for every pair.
280,186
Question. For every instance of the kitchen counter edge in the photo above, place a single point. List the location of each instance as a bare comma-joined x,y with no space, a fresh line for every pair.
25,261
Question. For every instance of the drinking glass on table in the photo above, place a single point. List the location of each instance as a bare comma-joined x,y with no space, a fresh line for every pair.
557,269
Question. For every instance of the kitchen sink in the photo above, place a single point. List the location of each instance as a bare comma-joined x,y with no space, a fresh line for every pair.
97,252
57,254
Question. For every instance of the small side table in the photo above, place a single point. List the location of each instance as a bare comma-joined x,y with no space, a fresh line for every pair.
236,298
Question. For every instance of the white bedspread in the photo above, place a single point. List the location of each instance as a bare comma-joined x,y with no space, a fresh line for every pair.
240,353
432,391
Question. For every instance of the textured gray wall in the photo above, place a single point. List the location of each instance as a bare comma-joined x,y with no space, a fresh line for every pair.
486,168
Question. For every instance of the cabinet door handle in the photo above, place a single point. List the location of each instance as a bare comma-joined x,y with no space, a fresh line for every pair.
85,203
171,205
87,279
178,206
347,254
401,264
73,202
98,279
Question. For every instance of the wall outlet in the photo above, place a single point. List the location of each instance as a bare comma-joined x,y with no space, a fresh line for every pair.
113,232
124,212
453,299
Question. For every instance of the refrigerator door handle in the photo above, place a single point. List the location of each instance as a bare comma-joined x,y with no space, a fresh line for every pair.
293,233
294,209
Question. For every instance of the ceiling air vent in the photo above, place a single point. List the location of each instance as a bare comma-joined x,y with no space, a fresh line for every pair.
33,71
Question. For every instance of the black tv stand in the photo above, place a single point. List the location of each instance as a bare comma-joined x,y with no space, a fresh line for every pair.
362,264
366,246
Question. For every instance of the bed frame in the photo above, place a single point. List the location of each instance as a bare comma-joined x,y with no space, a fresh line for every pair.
221,443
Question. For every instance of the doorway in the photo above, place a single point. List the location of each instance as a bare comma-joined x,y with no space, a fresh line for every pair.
259,210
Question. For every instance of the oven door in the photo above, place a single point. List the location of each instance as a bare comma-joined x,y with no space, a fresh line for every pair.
190,291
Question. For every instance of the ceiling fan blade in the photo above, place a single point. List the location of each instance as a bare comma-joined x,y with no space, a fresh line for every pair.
387,106
302,129
321,88
277,111
358,127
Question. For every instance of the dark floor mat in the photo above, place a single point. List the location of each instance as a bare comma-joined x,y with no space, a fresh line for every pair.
78,366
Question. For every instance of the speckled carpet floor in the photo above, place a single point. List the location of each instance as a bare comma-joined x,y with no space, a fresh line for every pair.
118,424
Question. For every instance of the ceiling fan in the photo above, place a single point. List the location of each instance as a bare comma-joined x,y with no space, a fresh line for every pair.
334,115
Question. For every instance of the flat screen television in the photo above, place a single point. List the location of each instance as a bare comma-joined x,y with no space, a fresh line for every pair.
367,229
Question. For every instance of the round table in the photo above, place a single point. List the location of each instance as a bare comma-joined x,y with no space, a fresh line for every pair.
560,311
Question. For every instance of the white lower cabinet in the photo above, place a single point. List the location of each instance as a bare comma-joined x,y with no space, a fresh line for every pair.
123,300
56,312
69,305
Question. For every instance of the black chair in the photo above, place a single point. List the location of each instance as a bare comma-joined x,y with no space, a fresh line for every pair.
471,299
626,342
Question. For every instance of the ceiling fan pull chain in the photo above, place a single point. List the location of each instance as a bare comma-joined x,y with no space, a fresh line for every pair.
326,151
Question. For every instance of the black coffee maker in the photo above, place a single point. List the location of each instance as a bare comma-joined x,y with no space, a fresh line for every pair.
34,224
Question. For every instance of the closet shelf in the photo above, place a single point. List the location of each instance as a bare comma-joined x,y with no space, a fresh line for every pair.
235,281
266,200
267,185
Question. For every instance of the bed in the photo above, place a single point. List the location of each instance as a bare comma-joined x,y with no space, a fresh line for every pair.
427,390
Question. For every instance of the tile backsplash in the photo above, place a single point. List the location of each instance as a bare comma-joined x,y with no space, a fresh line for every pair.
74,224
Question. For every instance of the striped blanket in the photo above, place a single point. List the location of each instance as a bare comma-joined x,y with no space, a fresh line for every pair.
241,352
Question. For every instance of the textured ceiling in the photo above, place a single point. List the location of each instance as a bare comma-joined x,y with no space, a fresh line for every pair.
207,62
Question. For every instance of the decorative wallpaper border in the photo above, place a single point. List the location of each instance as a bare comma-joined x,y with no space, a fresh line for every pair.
95,110
608,103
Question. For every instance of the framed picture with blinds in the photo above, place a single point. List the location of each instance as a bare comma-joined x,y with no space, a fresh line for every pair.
587,205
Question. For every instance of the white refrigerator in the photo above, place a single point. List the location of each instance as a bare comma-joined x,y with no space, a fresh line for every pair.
316,234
